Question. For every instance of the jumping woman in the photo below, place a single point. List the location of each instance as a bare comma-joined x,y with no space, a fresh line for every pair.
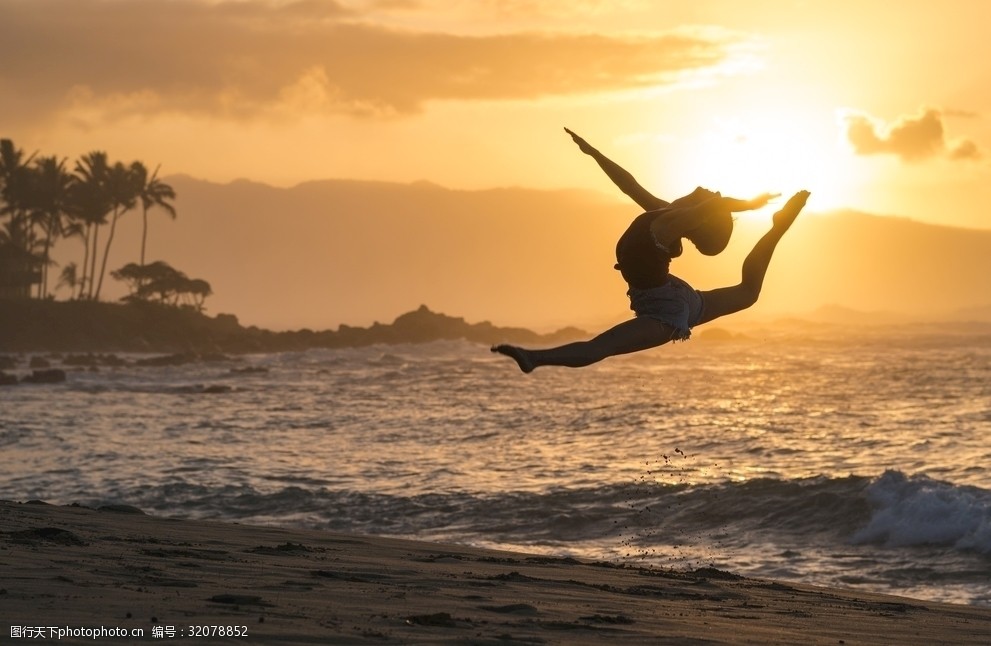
666,308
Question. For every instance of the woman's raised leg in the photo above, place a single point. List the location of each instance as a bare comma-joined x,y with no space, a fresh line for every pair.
727,300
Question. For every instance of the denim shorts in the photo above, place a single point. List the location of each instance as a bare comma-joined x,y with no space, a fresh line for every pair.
676,304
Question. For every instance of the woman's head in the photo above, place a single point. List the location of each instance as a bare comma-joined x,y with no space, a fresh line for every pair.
713,236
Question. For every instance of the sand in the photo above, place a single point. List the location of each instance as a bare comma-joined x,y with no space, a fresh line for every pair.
81,570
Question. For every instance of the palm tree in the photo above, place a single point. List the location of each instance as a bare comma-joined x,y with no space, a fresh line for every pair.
49,201
69,277
13,180
17,238
41,202
90,206
153,192
122,191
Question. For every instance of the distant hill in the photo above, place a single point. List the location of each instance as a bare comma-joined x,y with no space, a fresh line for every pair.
325,253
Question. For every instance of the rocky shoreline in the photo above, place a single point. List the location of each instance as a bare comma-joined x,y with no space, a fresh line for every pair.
90,329
42,341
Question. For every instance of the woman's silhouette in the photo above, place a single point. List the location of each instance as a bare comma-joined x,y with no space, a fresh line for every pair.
666,307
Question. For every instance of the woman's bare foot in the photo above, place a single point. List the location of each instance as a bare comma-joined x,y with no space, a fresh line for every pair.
783,218
521,356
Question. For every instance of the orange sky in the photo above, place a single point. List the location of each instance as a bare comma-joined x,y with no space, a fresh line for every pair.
878,106
870,104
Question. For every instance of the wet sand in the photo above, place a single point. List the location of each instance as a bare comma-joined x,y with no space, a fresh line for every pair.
75,569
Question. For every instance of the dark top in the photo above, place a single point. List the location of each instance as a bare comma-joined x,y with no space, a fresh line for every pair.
644,263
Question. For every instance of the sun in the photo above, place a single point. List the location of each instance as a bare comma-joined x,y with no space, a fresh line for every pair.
744,155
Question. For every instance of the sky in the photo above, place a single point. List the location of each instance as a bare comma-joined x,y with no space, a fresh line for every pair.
872,105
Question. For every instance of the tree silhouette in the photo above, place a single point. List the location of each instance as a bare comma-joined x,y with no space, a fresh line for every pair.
121,192
152,192
49,198
91,205
41,203
160,282
18,263
69,277
196,290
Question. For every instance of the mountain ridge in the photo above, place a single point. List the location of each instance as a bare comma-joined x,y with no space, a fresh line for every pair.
331,252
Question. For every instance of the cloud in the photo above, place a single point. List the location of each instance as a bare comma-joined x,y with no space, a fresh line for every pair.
965,149
103,59
911,138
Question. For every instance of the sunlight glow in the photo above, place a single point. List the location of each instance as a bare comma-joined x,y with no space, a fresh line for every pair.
749,153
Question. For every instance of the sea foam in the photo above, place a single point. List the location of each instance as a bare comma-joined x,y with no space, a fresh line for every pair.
918,510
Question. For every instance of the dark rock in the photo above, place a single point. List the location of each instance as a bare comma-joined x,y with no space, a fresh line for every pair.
52,376
8,380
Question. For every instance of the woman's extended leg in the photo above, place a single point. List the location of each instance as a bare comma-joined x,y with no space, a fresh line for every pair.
637,334
720,302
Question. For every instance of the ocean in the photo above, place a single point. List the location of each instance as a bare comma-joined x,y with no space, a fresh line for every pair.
852,460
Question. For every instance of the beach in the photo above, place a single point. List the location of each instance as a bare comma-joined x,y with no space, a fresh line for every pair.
76,569
857,465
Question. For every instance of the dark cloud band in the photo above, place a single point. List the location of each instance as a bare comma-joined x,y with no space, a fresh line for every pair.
241,59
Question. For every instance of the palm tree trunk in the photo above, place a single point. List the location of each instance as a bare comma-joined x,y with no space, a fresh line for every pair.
43,288
82,279
106,251
92,260
144,234
49,236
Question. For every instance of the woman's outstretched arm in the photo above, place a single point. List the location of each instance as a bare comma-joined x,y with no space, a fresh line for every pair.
735,206
649,202
620,176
